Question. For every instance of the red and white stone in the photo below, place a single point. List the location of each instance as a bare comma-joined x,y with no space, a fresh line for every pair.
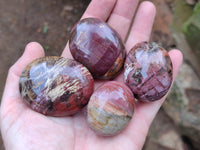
56,86
110,108
148,71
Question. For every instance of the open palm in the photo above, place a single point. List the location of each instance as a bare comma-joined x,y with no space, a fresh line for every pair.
23,128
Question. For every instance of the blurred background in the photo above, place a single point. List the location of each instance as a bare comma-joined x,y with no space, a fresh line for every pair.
177,25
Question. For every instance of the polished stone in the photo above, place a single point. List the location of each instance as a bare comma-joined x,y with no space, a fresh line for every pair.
110,108
148,71
56,86
98,47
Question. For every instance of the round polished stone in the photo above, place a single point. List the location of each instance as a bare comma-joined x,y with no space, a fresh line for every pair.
98,47
110,108
56,86
148,71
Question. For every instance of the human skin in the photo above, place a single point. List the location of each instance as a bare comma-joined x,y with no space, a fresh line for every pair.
23,128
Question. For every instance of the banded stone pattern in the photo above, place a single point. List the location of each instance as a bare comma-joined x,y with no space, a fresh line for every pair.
97,46
148,71
110,108
56,86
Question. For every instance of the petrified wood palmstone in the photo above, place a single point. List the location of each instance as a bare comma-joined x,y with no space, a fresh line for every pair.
110,108
98,47
56,86
148,71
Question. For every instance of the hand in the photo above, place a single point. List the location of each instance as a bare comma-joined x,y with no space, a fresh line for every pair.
23,128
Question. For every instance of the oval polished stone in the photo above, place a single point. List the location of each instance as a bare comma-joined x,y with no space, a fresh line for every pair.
98,47
148,71
56,86
110,108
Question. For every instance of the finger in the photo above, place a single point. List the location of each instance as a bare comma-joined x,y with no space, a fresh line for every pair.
145,112
121,17
32,51
97,9
142,25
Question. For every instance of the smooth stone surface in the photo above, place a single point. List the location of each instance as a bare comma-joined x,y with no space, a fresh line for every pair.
110,108
98,47
56,86
148,71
